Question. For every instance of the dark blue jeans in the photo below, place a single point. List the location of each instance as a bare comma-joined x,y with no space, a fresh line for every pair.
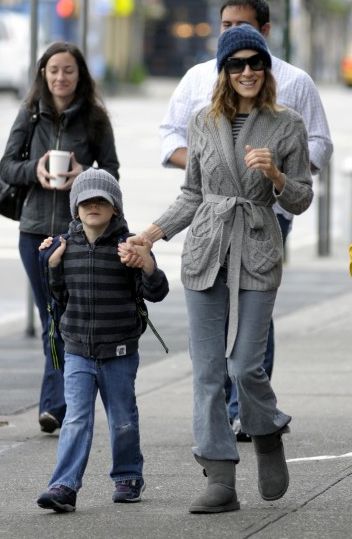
52,390
268,364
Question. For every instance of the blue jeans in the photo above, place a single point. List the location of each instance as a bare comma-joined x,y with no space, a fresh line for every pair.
268,364
115,380
52,389
208,312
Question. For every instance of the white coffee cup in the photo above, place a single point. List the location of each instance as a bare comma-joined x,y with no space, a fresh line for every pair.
59,162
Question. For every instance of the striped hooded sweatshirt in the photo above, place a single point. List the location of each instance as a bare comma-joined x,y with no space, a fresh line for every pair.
97,291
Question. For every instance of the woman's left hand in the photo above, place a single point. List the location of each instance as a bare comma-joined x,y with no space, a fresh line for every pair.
76,169
262,159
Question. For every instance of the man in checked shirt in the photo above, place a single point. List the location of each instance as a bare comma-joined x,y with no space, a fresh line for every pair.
295,89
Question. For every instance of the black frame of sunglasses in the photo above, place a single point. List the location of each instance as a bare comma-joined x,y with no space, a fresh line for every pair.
251,61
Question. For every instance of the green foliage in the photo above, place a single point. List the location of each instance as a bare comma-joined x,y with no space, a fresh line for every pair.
340,7
137,74
323,7
110,80
114,82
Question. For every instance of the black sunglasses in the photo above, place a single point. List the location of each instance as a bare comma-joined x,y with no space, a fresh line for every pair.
238,65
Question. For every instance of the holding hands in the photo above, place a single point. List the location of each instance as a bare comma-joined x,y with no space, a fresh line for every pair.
262,159
135,253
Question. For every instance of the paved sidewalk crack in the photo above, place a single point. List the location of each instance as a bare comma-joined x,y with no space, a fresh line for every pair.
342,476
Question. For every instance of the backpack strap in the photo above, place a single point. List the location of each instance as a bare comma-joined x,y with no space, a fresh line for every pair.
142,309
53,311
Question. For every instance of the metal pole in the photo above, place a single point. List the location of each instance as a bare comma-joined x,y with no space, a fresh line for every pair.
287,36
34,38
324,194
83,26
30,329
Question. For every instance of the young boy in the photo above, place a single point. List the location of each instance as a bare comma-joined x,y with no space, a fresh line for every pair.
100,328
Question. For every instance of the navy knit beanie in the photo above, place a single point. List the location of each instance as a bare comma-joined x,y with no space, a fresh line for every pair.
239,38
92,183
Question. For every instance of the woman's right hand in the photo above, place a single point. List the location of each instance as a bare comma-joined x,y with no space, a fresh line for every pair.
42,172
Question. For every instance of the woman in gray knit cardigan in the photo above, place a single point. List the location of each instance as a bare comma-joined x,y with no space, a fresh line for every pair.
245,154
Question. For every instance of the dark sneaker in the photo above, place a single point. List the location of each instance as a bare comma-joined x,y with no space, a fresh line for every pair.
240,435
243,437
129,490
60,498
48,423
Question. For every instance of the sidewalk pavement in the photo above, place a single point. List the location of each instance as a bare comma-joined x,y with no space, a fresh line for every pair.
312,380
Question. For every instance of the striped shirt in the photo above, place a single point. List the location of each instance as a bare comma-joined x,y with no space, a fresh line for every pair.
237,124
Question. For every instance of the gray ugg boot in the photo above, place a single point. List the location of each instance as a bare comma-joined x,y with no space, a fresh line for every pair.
273,478
220,495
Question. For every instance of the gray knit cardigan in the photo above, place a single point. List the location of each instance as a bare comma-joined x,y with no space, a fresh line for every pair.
229,207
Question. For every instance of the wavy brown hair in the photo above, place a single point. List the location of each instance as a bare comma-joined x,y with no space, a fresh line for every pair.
225,99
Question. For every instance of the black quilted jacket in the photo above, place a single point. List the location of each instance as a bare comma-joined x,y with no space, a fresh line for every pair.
47,211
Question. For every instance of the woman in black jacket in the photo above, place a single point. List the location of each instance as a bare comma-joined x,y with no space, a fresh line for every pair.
72,118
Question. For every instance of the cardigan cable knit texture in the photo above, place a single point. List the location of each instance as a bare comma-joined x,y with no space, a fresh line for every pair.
240,218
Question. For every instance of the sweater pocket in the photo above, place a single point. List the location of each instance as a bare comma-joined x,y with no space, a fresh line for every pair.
195,253
262,250
199,251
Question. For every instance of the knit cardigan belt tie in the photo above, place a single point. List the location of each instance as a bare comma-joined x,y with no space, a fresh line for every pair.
232,210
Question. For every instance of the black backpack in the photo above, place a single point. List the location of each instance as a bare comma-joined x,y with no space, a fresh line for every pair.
55,310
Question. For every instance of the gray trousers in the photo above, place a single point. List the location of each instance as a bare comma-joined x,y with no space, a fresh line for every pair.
208,316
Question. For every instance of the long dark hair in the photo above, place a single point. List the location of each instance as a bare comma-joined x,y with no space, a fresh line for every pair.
92,106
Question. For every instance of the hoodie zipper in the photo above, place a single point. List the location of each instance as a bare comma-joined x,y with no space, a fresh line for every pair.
91,249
